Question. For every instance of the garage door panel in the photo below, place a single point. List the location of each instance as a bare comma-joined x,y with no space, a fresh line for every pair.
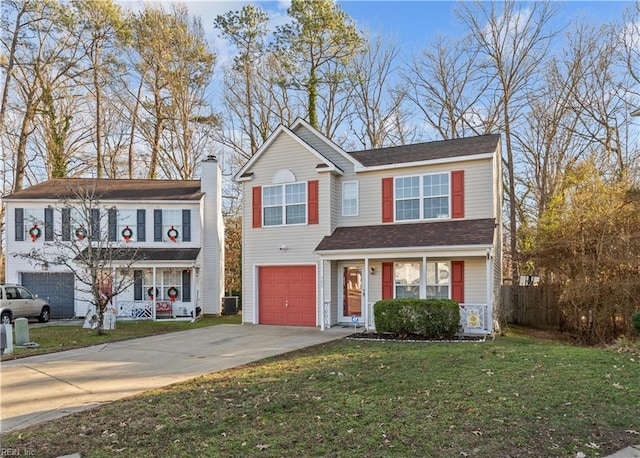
56,287
287,295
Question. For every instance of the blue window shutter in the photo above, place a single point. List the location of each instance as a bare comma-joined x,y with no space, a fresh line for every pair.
19,213
48,224
141,225
95,224
186,225
66,224
113,224
157,225
137,285
186,286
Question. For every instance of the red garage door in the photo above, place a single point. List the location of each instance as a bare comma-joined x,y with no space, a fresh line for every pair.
287,295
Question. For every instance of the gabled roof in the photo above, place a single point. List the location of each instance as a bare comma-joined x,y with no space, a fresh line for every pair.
299,122
475,232
244,173
420,152
110,189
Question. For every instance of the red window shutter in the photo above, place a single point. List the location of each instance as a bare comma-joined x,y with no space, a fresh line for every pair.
457,194
312,190
457,281
387,280
257,206
387,200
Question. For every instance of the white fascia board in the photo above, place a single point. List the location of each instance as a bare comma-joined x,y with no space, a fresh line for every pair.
259,153
327,141
446,160
331,167
407,252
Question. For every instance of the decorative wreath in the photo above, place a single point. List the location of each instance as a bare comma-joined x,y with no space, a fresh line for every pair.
127,234
173,293
151,293
81,233
172,234
35,232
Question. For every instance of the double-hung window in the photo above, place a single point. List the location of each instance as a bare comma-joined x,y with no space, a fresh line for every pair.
422,197
407,279
127,220
284,204
350,198
438,280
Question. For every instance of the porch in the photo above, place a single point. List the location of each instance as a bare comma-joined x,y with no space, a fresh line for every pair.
474,318
154,310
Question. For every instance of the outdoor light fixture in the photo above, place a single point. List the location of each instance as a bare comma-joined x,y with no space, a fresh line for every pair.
45,266
372,270
284,247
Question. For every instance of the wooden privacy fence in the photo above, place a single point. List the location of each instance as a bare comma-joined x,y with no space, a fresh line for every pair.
534,306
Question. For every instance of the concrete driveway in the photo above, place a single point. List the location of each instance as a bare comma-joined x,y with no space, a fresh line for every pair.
42,388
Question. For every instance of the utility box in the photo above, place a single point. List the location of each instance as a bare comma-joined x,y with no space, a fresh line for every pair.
230,305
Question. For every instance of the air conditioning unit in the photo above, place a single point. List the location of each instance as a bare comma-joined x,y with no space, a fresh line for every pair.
230,305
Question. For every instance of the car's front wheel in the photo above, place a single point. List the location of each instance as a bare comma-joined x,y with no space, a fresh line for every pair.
5,318
45,315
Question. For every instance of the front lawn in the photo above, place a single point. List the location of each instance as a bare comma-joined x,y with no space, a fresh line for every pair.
517,396
68,337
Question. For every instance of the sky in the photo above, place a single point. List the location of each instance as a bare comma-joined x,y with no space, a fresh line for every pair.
412,24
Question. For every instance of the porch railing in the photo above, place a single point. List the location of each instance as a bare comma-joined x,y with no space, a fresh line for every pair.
134,310
474,318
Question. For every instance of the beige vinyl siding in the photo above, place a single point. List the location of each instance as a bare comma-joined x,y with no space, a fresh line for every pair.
261,246
478,192
475,281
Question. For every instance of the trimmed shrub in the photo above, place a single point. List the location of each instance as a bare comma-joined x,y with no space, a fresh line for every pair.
394,316
431,318
438,319
635,322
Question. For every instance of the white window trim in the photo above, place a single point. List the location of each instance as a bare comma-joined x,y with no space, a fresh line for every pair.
357,212
423,285
421,197
284,204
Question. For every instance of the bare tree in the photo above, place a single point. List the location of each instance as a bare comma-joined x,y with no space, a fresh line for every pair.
448,85
102,25
514,41
175,68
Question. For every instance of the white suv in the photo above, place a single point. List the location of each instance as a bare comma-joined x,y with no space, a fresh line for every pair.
18,302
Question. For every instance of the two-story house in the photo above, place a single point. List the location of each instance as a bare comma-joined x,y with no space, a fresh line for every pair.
172,230
327,233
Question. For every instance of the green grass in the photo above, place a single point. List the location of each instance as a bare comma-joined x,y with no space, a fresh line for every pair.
67,337
515,397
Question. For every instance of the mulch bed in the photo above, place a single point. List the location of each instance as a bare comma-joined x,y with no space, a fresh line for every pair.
411,337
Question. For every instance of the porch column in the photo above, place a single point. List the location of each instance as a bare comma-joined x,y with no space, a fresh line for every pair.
321,292
153,301
489,323
423,279
365,295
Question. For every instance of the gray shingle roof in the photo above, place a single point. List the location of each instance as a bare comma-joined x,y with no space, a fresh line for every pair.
429,234
428,151
111,189
148,254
